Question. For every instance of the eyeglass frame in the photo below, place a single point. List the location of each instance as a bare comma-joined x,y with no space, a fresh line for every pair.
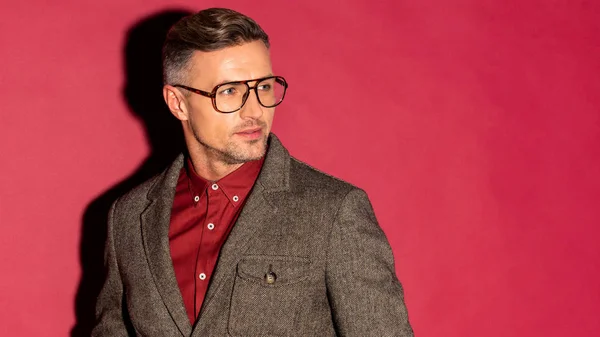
213,94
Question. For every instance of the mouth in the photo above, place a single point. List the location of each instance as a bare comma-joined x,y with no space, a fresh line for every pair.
253,133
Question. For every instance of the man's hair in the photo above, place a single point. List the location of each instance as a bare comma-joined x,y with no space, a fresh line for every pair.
208,30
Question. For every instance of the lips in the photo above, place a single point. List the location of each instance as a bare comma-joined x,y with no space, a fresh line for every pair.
250,134
249,131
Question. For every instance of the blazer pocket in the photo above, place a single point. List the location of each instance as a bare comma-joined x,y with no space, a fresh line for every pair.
268,295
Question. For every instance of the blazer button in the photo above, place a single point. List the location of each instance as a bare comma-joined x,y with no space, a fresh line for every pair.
270,277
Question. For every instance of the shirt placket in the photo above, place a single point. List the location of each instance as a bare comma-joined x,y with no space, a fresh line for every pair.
210,228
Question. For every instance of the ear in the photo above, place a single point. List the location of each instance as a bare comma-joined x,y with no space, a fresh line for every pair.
176,102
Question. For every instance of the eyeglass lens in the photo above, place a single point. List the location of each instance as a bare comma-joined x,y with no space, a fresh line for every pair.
230,97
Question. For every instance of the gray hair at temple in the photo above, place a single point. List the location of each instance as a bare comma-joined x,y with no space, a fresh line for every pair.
208,30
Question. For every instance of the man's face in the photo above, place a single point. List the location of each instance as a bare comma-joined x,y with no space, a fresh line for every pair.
236,137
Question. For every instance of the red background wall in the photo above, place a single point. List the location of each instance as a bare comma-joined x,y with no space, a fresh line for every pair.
473,125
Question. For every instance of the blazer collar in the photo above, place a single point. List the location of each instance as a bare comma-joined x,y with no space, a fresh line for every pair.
275,173
164,186
155,222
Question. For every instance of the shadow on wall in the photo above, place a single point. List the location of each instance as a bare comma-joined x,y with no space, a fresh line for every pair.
143,94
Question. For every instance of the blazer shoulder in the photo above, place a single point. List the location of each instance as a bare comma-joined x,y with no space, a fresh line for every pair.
303,175
136,196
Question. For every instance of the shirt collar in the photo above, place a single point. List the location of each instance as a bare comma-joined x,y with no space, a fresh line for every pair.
236,185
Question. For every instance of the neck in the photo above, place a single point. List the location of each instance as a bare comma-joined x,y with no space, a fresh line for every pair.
207,163
210,168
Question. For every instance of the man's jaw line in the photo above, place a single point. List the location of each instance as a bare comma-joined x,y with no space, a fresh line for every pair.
215,163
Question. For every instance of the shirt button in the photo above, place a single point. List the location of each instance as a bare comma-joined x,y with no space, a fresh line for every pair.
211,226
215,187
202,276
196,198
236,198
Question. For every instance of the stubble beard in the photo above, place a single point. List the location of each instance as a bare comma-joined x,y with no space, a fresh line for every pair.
232,153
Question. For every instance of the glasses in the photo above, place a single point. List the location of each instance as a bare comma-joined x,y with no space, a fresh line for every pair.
231,96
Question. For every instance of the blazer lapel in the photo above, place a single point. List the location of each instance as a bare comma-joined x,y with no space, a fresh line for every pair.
257,213
155,232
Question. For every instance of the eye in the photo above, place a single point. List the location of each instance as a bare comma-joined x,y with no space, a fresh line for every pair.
228,91
265,87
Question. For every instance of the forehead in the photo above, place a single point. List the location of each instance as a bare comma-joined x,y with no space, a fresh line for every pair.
236,63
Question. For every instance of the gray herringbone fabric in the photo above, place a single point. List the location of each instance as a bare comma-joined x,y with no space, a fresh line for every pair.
333,265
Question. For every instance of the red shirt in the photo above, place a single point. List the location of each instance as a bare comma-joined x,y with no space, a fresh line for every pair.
202,216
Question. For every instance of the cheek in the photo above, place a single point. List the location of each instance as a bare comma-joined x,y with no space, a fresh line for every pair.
213,126
269,115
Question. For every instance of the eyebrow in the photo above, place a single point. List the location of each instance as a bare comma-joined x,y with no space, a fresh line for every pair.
229,81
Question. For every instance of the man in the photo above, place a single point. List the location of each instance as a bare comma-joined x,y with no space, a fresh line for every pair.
238,238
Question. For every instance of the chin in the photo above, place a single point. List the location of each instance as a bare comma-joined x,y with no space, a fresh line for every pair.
256,152
247,152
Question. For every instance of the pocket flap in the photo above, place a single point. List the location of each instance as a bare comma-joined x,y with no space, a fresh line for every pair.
272,271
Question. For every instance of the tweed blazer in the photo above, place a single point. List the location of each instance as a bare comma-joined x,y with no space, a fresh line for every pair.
306,257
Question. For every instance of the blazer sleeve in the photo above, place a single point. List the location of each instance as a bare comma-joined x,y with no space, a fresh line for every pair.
365,295
110,320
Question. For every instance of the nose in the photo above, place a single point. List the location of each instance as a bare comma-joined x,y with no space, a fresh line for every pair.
252,108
